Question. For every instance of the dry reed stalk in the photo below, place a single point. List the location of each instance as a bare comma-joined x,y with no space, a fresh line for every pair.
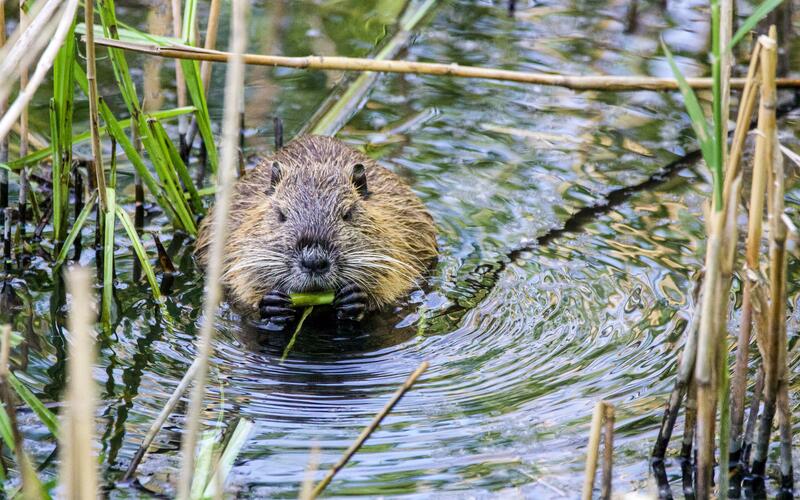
608,452
234,91
592,451
165,412
369,429
307,485
78,461
23,82
3,106
42,67
180,82
94,122
705,373
26,42
210,41
769,342
739,382
611,83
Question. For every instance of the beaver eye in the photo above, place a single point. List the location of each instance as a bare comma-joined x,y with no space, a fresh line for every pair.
348,216
281,215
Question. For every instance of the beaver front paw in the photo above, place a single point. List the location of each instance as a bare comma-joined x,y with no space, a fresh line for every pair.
276,310
350,303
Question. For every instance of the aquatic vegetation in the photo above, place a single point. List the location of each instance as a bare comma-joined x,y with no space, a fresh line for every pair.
565,276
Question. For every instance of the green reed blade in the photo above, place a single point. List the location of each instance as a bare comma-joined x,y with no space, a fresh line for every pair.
180,168
752,20
43,154
160,158
55,133
47,417
75,231
194,84
5,429
230,451
202,465
108,256
306,313
705,137
141,253
118,61
188,32
128,33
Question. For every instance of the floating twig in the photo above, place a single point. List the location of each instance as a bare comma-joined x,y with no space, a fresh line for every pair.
610,83
368,430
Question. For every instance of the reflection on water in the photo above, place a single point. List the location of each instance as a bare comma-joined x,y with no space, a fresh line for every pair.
521,343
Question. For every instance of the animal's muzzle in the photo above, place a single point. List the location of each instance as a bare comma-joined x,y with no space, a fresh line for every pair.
314,260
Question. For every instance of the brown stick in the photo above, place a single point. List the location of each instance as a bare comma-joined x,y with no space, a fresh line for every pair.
776,319
592,451
608,451
94,124
369,429
753,245
615,83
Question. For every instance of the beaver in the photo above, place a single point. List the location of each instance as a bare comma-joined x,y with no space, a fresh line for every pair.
318,215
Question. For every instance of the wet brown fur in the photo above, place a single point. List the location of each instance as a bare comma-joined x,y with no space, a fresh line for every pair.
385,247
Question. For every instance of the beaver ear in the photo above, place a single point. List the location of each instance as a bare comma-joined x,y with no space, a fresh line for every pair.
274,177
360,179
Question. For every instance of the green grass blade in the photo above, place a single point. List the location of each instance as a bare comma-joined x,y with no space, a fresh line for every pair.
202,467
232,449
118,61
43,154
194,84
188,33
180,168
160,158
5,429
55,133
75,231
141,253
311,299
696,116
752,20
302,320
47,417
108,256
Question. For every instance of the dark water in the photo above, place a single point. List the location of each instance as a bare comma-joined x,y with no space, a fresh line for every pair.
521,344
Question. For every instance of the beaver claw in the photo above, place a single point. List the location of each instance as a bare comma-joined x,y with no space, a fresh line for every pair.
276,310
350,303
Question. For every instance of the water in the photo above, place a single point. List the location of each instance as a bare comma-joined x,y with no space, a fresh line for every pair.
521,344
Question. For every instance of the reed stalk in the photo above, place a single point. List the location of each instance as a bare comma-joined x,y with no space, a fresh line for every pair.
162,417
78,461
769,343
368,430
42,67
234,90
608,83
752,252
180,83
94,121
608,451
3,106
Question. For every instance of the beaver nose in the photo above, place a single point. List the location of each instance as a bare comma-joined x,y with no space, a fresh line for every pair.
315,263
